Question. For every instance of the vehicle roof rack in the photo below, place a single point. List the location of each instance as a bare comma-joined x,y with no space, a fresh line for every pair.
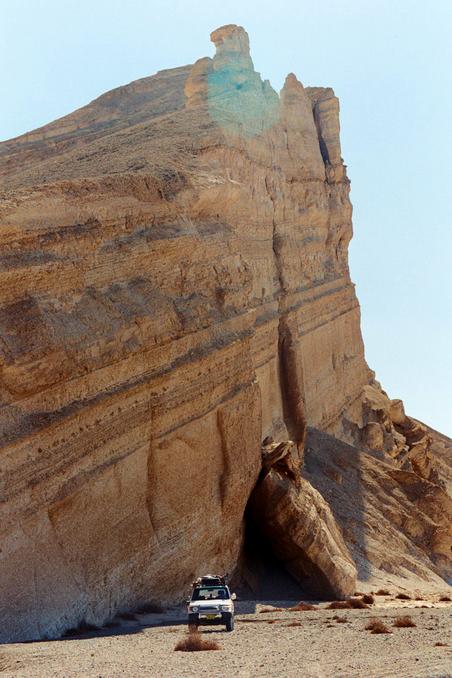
210,580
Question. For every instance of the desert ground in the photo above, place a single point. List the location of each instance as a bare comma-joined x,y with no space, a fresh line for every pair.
266,642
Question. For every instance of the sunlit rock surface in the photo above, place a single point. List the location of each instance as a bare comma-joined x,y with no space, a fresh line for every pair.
174,288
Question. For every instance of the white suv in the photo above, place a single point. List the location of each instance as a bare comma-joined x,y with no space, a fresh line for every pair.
211,604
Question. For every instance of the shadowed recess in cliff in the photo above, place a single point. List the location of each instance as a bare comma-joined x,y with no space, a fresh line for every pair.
296,523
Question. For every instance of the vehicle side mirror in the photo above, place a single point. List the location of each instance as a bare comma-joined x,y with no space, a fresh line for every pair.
233,596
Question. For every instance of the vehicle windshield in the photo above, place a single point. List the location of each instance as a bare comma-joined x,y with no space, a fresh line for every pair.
210,593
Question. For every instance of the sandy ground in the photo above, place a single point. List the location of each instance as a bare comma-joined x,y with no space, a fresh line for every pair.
263,644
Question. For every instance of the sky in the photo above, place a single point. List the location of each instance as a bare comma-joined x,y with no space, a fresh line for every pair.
390,63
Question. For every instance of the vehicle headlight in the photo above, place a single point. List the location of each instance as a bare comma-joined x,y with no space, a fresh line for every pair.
194,608
224,608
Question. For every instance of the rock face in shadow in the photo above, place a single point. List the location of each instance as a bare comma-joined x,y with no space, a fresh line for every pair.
174,288
298,523
396,524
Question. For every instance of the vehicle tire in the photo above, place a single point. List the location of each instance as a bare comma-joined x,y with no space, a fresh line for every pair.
230,622
193,622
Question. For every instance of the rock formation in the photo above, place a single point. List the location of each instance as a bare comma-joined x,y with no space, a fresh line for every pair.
298,523
174,290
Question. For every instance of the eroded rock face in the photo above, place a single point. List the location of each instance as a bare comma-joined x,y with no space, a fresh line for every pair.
395,523
386,428
174,288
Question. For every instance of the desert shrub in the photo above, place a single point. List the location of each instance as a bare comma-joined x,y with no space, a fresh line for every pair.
341,620
440,644
368,599
81,629
128,616
418,598
266,610
112,624
382,592
353,603
294,623
357,604
377,626
445,599
403,596
302,607
194,642
339,605
404,622
150,608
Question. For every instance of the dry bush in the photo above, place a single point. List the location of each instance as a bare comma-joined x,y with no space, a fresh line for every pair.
341,620
403,596
368,599
357,604
377,626
80,630
440,644
194,642
339,605
3,663
302,607
271,621
150,608
353,603
112,624
418,598
266,610
383,592
404,622
445,599
294,623
128,616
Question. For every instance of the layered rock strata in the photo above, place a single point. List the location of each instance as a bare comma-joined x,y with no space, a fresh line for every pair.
174,288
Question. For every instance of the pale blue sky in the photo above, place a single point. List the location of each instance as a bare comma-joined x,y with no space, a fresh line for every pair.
390,62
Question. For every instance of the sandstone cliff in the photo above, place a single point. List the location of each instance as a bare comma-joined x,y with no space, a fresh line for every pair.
174,290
